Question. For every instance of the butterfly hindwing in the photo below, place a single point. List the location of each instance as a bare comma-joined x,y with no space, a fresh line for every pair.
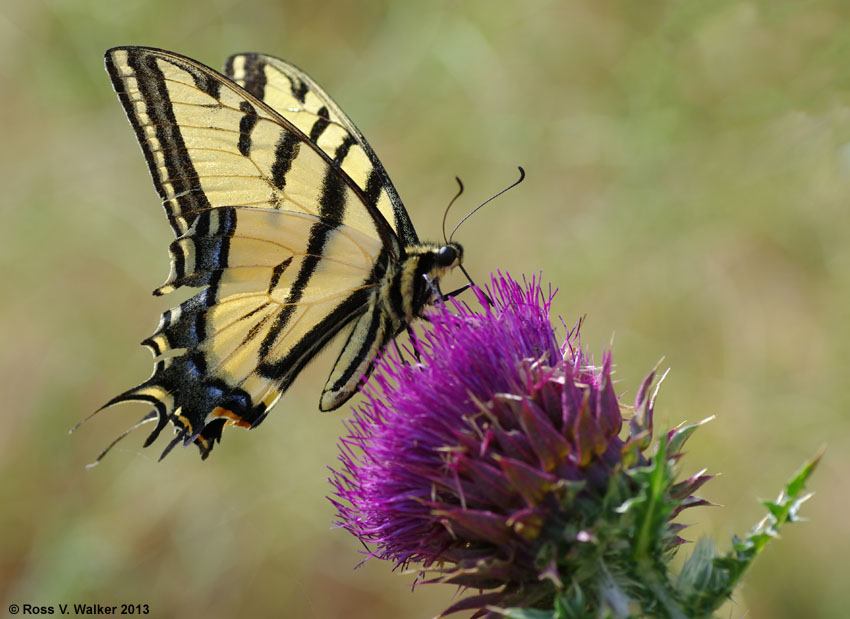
232,349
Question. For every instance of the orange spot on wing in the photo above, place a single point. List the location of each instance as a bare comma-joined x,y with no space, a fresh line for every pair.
186,423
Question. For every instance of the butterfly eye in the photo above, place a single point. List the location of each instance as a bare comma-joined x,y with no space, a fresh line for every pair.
446,256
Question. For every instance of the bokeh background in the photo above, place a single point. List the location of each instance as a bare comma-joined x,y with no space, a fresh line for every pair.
688,191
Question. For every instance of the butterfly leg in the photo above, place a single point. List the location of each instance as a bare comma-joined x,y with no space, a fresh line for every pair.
435,287
414,343
454,293
438,294
398,350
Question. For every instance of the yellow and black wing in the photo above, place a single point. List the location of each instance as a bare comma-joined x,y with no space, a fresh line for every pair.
299,99
284,218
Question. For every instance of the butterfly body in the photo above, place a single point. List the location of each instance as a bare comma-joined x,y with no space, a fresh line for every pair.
286,221
401,294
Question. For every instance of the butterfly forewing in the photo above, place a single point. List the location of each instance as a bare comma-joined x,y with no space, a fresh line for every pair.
209,143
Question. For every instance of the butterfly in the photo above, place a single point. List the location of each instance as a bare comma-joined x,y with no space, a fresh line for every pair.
288,224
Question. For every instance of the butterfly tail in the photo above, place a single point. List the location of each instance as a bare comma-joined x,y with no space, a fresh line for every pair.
146,392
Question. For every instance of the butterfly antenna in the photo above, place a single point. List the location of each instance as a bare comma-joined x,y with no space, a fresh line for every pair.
472,212
446,213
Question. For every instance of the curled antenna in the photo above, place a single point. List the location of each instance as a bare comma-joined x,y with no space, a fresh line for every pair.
446,213
472,212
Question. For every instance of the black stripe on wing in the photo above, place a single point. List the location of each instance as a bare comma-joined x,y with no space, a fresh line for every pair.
187,391
255,79
181,173
332,203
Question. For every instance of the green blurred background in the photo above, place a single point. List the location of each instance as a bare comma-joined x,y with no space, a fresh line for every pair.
688,188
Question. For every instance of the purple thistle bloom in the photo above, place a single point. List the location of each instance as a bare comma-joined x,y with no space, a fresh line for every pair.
490,462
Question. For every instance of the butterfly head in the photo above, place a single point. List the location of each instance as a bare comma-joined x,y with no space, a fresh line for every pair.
416,282
440,260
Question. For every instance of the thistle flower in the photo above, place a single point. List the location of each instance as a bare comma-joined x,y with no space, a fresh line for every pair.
497,462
